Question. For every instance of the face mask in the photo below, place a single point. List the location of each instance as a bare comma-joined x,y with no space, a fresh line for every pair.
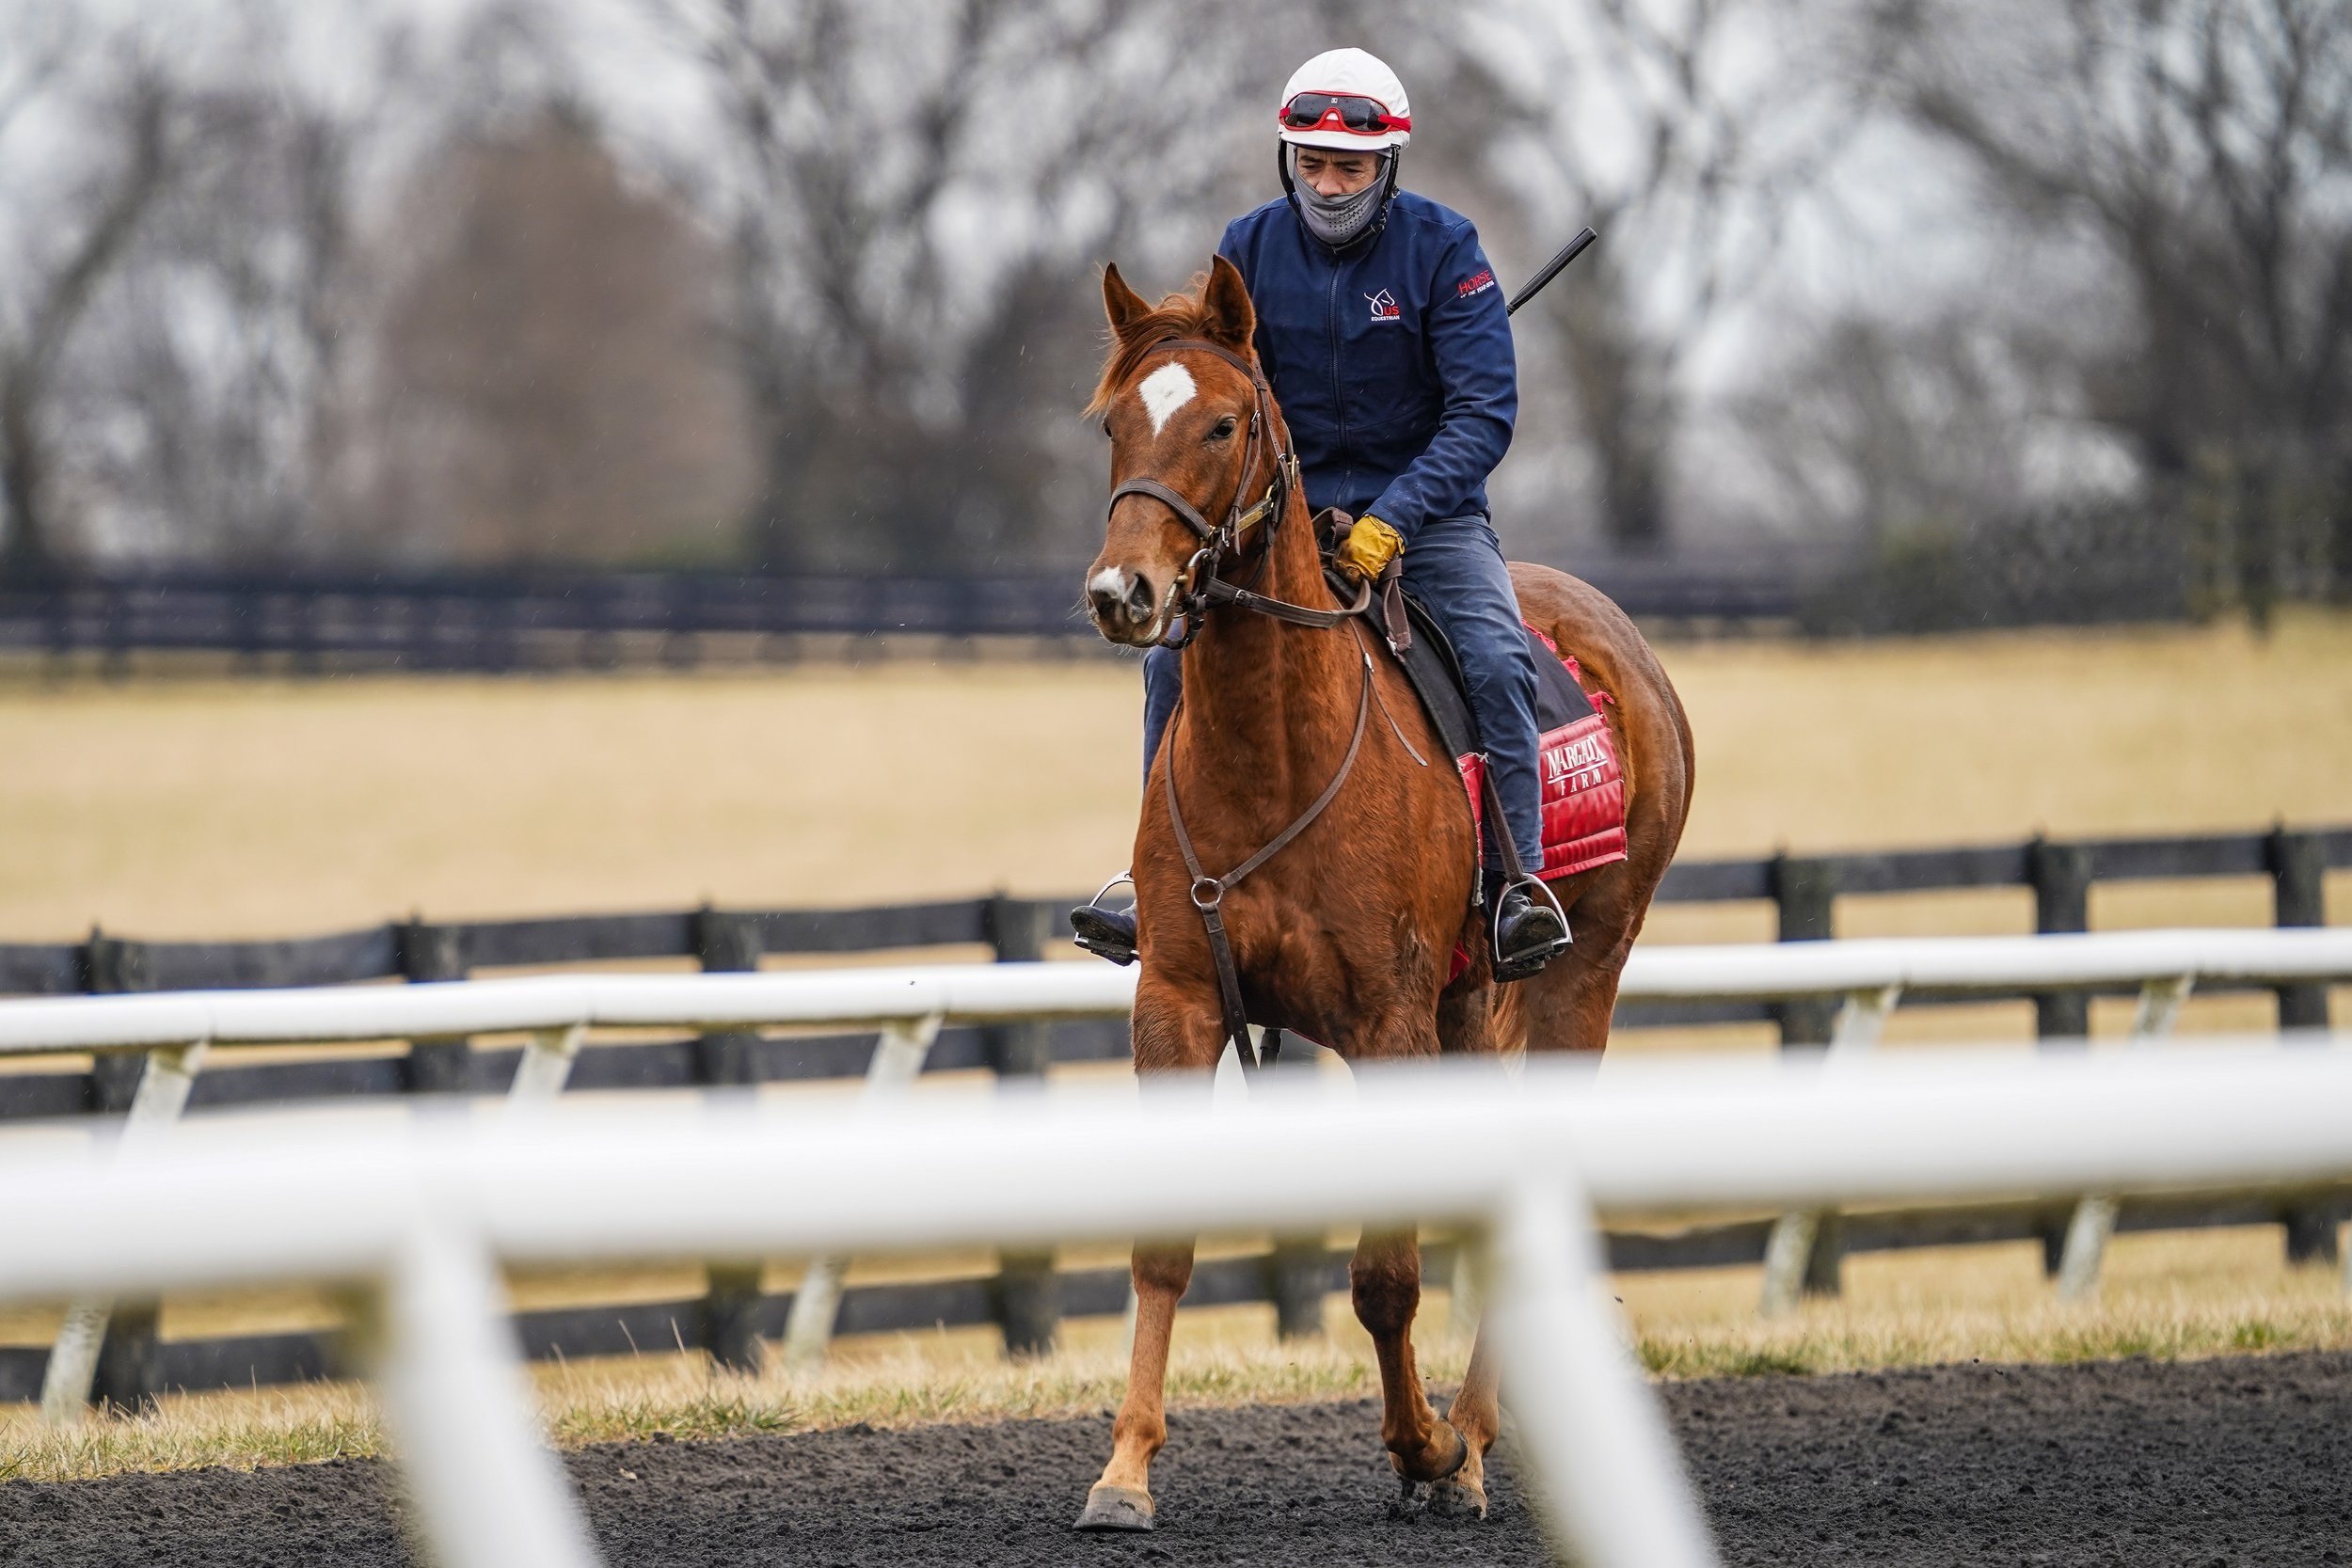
1339,221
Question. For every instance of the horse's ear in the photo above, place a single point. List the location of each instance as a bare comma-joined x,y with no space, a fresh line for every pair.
1122,304
1232,320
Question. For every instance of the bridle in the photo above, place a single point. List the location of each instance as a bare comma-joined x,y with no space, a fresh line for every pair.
1198,587
1197,590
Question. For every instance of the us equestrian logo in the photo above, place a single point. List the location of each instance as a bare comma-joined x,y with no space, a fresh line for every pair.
1384,306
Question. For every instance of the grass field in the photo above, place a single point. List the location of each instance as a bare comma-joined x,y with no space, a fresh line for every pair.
214,809
211,809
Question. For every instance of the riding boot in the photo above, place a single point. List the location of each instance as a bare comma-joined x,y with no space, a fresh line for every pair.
1106,933
1529,931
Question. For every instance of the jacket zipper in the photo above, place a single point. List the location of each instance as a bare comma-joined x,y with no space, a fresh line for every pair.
1339,399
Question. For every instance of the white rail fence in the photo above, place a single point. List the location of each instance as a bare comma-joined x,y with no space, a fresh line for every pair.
908,1007
421,1213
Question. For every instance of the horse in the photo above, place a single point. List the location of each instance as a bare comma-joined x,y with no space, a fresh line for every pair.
1352,837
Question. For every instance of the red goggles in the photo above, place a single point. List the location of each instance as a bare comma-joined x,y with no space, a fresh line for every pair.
1331,111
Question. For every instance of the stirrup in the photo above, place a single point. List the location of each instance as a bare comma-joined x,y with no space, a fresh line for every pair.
1106,933
1529,963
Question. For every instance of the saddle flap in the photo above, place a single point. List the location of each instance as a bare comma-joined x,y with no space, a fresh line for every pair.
1577,767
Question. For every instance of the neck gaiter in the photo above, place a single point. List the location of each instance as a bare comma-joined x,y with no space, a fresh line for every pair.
1339,221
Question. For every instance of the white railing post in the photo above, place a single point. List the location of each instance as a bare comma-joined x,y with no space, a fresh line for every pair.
1788,1251
2092,1225
545,1069
1466,1307
161,1095
897,1060
2159,1006
1606,1475
488,1492
1862,1021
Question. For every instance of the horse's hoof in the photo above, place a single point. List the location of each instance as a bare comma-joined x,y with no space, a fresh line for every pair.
1455,1499
1116,1508
1440,1470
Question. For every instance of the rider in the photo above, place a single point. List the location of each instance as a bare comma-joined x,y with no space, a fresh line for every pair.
1382,330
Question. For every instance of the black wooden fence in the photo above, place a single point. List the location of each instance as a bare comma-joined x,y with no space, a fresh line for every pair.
550,622
1027,1299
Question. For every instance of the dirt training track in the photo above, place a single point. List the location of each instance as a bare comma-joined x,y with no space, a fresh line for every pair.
2239,1462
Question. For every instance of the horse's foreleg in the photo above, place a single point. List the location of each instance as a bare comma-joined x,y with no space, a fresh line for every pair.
1477,1412
1121,1500
1383,1278
1176,1044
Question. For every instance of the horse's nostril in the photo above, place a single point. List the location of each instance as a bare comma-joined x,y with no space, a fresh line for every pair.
1106,593
1121,600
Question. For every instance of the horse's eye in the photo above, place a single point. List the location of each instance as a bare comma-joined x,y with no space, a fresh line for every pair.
1107,424
1223,430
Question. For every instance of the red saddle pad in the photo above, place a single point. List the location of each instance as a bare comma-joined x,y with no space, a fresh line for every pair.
1583,780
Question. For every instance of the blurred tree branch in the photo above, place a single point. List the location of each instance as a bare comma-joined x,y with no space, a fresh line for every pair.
2206,148
55,302
1637,119
915,199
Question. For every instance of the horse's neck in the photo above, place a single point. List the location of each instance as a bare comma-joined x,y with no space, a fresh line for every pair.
1260,692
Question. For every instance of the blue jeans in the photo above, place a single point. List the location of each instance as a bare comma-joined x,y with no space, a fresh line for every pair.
1454,567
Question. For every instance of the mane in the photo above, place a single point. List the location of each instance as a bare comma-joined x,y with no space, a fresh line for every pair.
1179,315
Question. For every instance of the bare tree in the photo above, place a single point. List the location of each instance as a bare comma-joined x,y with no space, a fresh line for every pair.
2202,151
551,379
1875,428
915,197
61,277
186,374
1685,134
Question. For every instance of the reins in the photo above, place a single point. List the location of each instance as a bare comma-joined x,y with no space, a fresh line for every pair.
1208,893
1199,588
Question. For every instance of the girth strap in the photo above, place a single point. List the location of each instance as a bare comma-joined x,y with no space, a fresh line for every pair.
1208,893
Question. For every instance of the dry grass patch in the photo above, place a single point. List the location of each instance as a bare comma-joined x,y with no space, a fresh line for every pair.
2169,1297
215,809
1224,1357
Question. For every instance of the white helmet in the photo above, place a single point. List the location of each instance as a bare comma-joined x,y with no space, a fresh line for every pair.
1352,103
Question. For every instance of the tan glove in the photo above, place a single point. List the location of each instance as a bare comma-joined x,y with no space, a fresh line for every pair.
1368,548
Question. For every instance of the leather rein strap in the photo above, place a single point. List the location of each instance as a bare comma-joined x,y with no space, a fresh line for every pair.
1221,592
1208,893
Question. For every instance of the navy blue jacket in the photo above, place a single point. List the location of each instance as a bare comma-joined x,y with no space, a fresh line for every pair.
1392,359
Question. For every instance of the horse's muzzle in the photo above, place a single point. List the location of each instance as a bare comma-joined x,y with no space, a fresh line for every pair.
1125,606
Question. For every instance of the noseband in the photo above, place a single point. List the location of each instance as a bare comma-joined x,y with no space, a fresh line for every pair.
1197,586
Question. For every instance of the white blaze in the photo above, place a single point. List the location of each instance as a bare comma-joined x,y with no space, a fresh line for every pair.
1166,390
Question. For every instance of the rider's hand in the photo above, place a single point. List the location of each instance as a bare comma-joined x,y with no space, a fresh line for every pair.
1368,548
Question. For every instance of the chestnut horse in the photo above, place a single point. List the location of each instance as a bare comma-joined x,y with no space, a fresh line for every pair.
1346,934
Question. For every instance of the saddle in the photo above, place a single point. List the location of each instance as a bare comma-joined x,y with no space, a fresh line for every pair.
1584,782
